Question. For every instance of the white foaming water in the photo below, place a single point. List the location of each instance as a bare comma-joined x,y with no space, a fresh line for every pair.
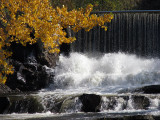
107,73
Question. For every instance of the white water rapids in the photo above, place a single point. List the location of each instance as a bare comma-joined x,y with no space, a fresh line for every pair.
106,73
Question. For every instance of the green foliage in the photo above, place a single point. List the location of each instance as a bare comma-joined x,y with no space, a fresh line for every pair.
99,5
110,5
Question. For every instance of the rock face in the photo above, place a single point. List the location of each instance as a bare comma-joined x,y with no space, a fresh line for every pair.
31,67
4,89
26,53
28,77
44,57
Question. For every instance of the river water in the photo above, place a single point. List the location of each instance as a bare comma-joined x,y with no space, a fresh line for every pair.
113,76
107,75
104,73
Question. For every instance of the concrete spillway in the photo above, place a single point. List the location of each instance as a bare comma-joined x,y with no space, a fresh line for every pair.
136,32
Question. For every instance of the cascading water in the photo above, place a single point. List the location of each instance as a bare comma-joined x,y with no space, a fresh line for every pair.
131,32
111,73
106,73
112,79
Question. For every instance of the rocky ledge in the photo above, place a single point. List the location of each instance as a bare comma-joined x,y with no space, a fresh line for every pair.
32,65
149,89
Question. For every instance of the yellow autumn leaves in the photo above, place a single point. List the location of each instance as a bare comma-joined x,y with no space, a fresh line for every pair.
26,21
5,68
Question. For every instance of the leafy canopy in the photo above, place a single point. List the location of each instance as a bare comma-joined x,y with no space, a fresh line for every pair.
27,21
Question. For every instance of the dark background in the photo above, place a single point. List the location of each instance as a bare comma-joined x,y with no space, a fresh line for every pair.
110,5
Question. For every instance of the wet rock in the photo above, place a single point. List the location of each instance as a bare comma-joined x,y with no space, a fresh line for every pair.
156,117
109,118
4,89
152,89
30,64
25,53
125,102
28,77
131,117
90,102
57,104
24,105
44,57
53,105
111,102
71,104
140,102
4,104
139,117
103,117
65,49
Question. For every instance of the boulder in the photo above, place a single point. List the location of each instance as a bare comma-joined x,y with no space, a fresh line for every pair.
140,102
26,104
4,104
29,77
31,65
90,102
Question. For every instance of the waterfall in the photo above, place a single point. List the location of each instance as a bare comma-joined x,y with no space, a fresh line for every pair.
101,75
130,32
106,73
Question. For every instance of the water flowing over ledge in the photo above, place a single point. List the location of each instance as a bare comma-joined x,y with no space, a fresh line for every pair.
115,81
135,32
105,73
